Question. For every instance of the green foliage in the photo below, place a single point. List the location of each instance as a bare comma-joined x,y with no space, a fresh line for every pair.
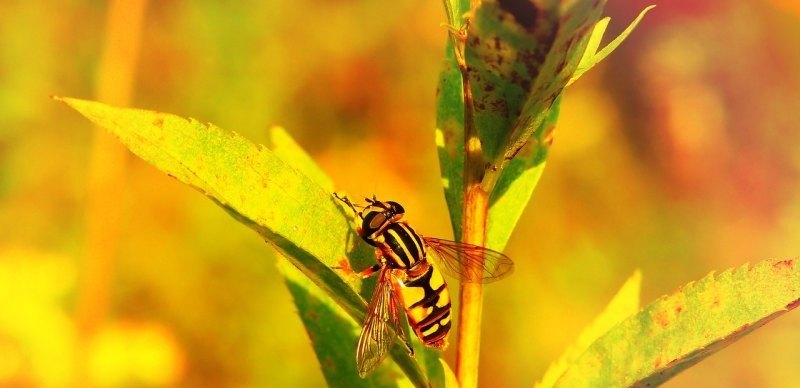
592,56
624,304
308,227
516,184
333,335
284,147
520,59
679,330
337,359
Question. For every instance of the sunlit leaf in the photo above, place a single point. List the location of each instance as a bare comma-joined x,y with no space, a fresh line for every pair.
333,335
624,304
449,377
284,146
592,55
679,330
290,210
520,56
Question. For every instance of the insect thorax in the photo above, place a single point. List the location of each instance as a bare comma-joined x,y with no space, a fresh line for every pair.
401,245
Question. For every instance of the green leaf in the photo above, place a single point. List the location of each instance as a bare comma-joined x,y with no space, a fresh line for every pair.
455,10
575,22
333,335
679,330
284,146
516,184
288,209
624,304
449,136
450,380
520,59
592,56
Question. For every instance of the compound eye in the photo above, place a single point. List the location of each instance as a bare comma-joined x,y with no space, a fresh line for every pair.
377,220
396,207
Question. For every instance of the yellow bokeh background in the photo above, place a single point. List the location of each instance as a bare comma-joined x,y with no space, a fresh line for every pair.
677,155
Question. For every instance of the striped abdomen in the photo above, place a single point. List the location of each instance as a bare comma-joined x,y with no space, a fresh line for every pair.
427,304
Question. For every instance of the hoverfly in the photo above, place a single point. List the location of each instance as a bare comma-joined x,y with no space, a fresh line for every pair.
407,280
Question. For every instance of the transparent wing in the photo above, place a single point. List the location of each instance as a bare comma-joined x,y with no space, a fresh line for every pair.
470,263
381,326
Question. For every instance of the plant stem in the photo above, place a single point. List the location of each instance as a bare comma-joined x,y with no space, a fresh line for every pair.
476,202
107,171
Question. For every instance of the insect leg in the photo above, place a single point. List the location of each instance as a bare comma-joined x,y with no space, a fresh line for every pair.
345,267
370,271
343,198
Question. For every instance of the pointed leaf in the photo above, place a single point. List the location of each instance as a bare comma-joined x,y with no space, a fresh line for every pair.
592,56
288,209
624,304
450,380
679,330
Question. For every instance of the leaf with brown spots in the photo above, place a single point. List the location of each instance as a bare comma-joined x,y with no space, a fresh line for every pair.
520,55
516,184
679,330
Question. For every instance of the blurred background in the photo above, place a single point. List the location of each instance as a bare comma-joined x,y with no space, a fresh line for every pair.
677,155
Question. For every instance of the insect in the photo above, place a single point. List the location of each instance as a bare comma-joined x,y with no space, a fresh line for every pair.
408,281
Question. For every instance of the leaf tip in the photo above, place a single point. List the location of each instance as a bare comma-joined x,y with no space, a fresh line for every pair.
66,100
636,276
69,101
74,103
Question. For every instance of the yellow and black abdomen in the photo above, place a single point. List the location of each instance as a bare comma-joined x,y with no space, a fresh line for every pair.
427,304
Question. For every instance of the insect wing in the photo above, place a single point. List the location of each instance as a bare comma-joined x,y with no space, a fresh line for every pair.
381,326
470,263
